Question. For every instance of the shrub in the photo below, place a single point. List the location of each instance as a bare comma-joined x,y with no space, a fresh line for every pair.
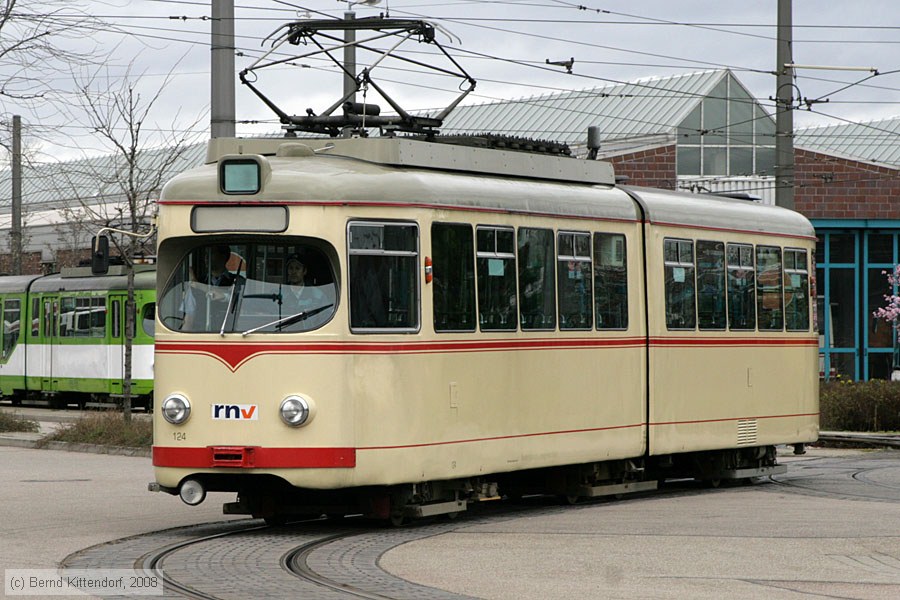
860,405
107,429
14,422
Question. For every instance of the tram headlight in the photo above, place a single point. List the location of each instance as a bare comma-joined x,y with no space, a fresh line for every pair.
176,409
296,411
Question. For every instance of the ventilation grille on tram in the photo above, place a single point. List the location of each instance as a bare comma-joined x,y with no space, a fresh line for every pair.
747,432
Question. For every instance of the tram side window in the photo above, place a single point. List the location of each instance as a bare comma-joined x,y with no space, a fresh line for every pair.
537,291
678,257
116,319
35,317
576,305
453,250
496,265
796,290
711,285
67,320
49,319
82,316
12,314
98,316
148,318
768,288
384,272
741,287
610,281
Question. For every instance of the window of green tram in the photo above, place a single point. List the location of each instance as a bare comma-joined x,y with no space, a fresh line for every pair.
82,316
711,285
496,267
678,257
453,287
796,290
574,279
741,287
383,276
610,281
537,287
12,314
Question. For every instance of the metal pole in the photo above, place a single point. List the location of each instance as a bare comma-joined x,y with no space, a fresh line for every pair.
16,225
349,64
784,112
221,105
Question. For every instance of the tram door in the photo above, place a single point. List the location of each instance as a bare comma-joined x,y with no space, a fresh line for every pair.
116,347
50,345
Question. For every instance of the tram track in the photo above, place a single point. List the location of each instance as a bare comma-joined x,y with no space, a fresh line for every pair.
284,566
154,563
296,562
825,478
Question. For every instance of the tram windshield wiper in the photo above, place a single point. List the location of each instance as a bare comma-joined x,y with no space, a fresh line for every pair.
232,301
289,320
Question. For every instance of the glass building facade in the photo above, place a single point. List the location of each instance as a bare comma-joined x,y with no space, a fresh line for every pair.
852,259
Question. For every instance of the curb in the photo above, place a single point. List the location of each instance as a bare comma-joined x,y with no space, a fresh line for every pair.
36,443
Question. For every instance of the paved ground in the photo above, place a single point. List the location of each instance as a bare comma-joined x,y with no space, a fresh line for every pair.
829,538
54,503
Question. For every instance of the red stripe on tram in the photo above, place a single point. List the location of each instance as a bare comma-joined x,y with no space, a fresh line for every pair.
249,457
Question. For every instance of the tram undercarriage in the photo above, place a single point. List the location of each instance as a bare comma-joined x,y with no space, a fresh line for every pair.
273,499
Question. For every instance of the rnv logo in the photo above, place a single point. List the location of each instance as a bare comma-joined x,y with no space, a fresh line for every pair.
234,412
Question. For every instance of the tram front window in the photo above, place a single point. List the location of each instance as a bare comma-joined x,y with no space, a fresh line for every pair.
250,287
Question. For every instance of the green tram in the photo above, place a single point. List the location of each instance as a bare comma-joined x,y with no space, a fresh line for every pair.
71,347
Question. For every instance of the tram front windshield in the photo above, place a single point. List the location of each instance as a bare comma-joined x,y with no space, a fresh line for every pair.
250,288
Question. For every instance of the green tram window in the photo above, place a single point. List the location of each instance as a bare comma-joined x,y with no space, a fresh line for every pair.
574,279
796,290
741,287
116,319
12,313
454,277
384,273
610,281
82,316
678,257
496,265
35,317
711,285
537,291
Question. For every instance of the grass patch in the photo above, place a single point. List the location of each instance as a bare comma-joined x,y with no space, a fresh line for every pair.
106,429
13,422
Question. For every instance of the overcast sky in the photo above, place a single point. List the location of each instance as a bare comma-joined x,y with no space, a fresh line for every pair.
504,45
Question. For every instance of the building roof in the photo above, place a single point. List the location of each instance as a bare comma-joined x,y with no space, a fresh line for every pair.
638,109
90,180
872,141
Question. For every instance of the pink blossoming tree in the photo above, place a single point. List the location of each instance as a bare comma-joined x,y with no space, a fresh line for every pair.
891,312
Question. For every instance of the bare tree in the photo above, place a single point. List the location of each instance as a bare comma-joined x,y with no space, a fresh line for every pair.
142,156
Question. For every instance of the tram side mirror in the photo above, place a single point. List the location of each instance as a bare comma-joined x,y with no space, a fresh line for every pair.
100,255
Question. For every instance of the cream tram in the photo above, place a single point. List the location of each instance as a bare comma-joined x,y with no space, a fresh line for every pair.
467,323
